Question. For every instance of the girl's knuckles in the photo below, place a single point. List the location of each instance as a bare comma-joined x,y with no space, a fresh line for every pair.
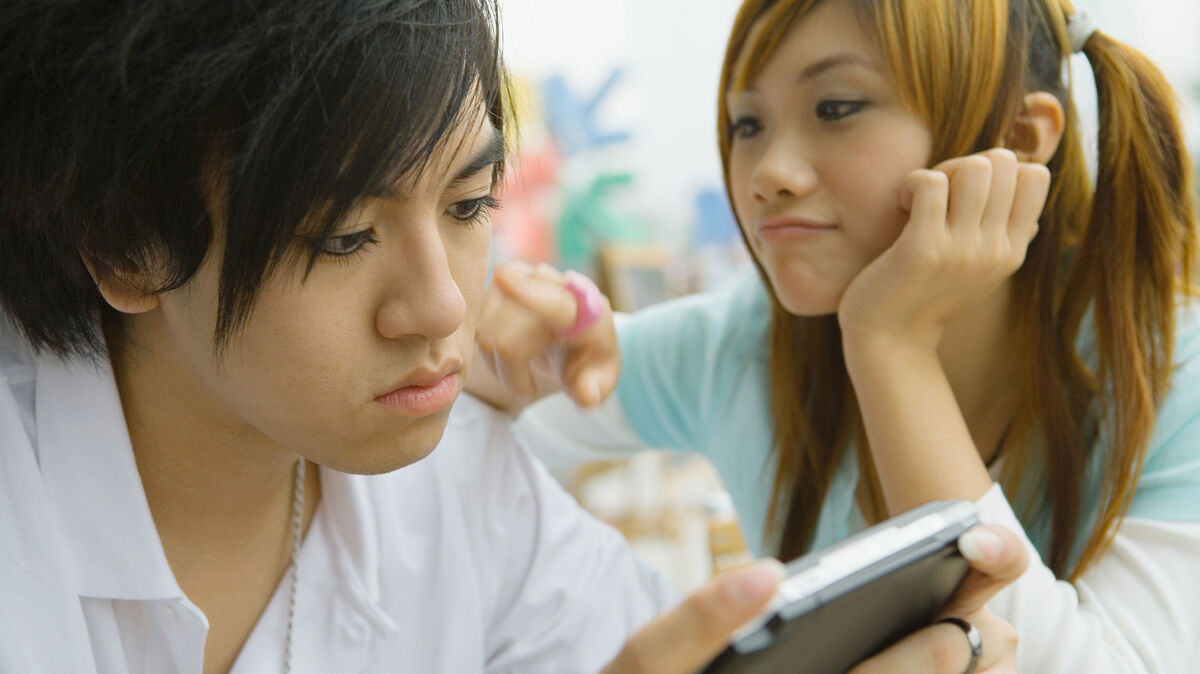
947,654
930,180
973,165
1001,155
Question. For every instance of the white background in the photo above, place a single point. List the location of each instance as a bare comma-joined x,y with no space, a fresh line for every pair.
671,52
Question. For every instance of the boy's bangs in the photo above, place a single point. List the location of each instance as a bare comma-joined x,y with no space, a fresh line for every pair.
365,120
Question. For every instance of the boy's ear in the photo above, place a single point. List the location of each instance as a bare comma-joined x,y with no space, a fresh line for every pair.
1038,128
122,293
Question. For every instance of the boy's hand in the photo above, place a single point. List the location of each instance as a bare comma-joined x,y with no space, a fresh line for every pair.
688,637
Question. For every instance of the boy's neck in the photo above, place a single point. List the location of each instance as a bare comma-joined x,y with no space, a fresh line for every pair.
198,463
215,486
219,491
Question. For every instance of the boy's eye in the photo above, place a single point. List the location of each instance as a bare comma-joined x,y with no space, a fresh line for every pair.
348,244
470,210
744,128
832,111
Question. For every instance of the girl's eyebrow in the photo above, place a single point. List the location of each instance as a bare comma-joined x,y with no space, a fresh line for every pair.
834,61
488,157
820,67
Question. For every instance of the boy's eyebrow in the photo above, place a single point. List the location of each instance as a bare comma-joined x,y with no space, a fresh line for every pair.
489,156
492,154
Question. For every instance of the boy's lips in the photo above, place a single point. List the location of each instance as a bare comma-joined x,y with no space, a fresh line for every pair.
423,393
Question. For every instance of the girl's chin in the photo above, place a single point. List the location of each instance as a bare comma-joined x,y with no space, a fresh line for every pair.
808,303
804,288
808,311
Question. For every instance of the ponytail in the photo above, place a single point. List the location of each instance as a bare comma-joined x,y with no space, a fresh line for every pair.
1134,258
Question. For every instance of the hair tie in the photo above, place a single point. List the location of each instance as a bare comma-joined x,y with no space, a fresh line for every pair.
1080,27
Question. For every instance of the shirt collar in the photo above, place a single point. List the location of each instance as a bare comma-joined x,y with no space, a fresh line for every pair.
340,623
356,543
91,477
346,500
88,468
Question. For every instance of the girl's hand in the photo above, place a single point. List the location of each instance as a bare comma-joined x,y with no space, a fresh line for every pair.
997,558
685,638
943,649
971,221
520,338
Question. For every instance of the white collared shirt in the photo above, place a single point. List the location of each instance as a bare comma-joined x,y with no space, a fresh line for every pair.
470,560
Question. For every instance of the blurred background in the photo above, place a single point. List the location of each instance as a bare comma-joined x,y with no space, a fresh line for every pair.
616,174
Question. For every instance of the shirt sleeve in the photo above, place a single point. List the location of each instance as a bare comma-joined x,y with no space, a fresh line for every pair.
566,591
680,359
678,362
1169,486
1134,610
563,435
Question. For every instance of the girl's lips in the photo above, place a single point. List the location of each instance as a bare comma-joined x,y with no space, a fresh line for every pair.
421,401
789,228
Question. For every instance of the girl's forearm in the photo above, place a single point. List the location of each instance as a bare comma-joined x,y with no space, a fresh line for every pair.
919,439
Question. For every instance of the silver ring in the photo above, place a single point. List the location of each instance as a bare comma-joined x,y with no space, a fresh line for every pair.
974,640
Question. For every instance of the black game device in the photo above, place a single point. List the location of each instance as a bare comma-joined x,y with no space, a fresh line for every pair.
840,605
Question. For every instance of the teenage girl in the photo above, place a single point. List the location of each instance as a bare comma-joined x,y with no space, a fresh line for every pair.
946,306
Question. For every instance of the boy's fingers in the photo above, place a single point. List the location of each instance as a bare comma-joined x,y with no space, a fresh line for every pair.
686,638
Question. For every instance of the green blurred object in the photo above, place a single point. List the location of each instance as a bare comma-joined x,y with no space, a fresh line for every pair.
588,221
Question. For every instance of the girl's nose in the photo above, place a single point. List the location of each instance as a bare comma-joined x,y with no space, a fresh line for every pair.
782,171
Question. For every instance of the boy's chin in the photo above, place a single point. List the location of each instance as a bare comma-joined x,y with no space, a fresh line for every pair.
385,455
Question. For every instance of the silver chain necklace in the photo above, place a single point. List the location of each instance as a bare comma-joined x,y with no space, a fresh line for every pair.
297,526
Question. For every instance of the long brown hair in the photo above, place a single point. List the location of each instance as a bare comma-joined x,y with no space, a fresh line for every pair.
1122,252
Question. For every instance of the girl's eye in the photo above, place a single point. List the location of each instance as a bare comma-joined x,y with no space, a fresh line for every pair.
744,128
471,211
832,111
348,244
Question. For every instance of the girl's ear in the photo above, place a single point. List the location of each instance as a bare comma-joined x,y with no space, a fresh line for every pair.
122,293
1038,128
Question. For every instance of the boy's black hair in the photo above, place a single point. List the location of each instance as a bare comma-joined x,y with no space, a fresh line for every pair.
123,120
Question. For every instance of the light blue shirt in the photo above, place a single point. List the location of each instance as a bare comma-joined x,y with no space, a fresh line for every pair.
694,377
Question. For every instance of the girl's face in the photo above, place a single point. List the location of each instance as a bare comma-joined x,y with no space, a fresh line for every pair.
356,365
821,144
